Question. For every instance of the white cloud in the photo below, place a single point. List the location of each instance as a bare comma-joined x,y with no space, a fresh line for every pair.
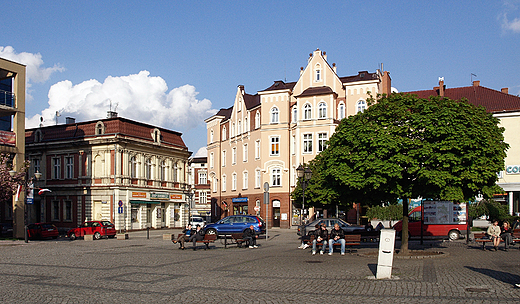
139,97
513,25
35,72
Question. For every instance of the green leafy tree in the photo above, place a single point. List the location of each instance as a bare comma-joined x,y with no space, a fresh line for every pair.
385,213
491,208
404,147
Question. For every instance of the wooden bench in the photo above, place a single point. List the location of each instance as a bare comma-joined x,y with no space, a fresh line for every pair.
208,238
238,238
516,236
482,237
350,240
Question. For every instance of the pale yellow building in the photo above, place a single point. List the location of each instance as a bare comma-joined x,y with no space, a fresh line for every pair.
12,135
264,137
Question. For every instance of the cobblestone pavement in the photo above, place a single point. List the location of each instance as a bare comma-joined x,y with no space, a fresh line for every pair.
155,271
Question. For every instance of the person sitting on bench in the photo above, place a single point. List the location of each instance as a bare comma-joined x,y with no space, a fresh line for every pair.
184,237
493,232
198,235
320,236
337,235
250,236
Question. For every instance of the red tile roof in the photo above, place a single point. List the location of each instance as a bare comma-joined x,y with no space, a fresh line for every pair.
494,101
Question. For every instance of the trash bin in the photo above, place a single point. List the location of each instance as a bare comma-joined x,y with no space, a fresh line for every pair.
386,254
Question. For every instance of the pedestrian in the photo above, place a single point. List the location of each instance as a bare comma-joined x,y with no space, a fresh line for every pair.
320,236
307,238
493,232
250,236
380,226
506,235
185,237
198,235
337,235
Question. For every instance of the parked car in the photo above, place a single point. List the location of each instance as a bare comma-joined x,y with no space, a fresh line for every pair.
197,220
42,230
236,224
348,228
6,229
96,228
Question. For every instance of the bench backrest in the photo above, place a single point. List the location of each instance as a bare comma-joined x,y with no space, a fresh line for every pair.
479,235
353,238
237,236
210,237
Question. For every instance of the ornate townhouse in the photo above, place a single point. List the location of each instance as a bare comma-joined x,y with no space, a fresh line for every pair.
505,107
265,136
12,140
130,173
198,179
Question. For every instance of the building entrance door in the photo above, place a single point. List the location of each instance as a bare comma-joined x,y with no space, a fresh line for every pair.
276,217
148,216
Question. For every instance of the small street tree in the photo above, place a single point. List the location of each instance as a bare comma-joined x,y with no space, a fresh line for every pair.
405,147
8,183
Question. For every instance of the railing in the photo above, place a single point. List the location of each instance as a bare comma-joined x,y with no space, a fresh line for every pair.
7,98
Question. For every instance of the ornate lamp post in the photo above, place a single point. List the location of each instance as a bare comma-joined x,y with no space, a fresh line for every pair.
27,188
189,199
304,175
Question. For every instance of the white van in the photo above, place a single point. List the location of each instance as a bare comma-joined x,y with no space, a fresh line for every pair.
197,220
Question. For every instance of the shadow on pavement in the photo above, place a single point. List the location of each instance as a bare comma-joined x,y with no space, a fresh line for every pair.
505,277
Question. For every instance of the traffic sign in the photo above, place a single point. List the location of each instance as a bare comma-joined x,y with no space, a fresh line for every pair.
120,203
120,210
257,208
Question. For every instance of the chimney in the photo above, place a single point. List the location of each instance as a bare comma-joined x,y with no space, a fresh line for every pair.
70,120
111,114
476,83
505,90
441,86
386,83
334,67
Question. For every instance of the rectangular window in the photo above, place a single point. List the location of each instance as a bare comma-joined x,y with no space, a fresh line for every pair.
234,182
257,149
67,215
55,210
275,146
56,168
203,178
307,143
36,165
322,141
211,159
245,153
276,177
258,179
293,144
234,156
244,180
223,183
214,184
70,167
223,158
203,198
174,172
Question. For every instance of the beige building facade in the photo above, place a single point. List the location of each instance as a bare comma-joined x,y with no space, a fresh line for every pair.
263,138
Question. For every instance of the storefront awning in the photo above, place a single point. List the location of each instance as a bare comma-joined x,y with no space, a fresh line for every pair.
145,202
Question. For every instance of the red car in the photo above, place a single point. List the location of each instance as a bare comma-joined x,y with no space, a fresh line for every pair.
42,230
96,228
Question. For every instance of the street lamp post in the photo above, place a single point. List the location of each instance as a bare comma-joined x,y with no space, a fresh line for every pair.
26,184
189,198
304,175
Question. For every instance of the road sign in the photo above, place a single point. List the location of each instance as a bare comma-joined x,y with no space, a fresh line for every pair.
120,210
120,203
257,208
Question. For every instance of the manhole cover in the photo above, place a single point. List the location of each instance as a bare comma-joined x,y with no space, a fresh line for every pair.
313,262
476,289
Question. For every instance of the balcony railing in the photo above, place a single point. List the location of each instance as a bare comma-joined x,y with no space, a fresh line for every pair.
7,98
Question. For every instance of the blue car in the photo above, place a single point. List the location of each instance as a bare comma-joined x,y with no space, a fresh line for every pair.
236,224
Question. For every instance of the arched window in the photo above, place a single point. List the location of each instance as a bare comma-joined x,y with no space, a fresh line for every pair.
163,171
361,106
246,125
295,114
274,115
100,128
38,136
341,111
257,120
322,110
239,130
318,73
233,131
175,172
156,135
148,168
224,131
211,136
307,111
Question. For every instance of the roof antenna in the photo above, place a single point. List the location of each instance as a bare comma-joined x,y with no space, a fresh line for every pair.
472,78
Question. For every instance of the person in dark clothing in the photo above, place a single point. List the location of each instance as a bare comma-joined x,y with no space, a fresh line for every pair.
321,235
185,237
506,234
250,236
198,235
337,235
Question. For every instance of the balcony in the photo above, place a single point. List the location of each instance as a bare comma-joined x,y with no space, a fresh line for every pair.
7,98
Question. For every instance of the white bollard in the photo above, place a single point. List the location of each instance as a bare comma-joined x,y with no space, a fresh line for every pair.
386,254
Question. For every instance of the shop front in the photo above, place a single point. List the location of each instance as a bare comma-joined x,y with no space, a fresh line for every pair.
240,205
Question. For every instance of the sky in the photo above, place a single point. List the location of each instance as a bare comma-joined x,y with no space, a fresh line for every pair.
173,64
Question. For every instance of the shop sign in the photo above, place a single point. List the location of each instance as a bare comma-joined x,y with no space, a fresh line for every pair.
239,200
276,204
513,169
139,194
154,195
175,196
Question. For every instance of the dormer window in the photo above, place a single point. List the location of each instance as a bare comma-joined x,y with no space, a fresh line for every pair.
156,135
100,128
38,136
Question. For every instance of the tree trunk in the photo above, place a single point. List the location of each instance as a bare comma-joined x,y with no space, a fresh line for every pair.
404,232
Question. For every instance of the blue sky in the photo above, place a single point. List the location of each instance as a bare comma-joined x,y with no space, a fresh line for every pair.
174,63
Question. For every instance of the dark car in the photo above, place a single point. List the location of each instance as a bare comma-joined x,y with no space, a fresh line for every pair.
236,224
95,228
6,229
348,228
42,231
